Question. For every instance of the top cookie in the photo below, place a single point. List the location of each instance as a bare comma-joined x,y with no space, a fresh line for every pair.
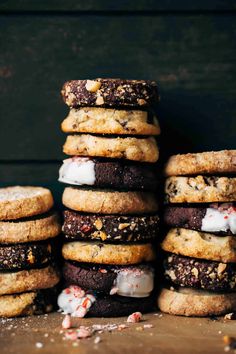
212,162
109,93
20,202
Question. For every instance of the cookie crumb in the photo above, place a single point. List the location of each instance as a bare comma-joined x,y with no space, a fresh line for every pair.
134,317
147,326
92,86
230,316
139,328
97,340
121,326
39,345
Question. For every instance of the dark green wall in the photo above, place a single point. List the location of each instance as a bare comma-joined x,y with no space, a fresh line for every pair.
189,47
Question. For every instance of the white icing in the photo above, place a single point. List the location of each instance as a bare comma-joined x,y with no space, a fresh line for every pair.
134,281
75,301
222,218
78,171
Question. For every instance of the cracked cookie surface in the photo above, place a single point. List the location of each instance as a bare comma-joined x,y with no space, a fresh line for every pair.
27,280
38,228
200,189
20,202
190,302
130,148
211,162
109,202
27,304
94,252
110,121
200,245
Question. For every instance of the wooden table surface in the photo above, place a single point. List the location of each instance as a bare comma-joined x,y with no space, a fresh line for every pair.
169,334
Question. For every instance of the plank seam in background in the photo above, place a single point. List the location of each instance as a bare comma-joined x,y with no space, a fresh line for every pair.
118,13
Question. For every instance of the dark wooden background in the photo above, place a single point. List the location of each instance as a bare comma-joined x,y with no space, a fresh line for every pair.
189,47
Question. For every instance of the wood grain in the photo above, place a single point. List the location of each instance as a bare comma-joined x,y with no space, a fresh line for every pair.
169,335
122,5
192,58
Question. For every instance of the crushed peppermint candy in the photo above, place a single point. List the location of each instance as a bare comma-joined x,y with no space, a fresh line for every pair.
75,301
134,317
102,270
147,326
66,323
121,327
84,332
71,335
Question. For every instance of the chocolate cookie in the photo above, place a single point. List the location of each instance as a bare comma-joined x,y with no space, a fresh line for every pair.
199,273
108,174
117,306
25,255
110,228
30,303
129,281
110,93
219,218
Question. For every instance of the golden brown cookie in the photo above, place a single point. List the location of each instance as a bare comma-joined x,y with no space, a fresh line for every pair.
211,162
21,202
95,252
25,304
200,245
109,202
199,303
27,280
130,148
30,230
110,121
200,189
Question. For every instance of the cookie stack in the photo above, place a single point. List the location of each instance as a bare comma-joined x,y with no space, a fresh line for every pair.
27,274
201,244
111,219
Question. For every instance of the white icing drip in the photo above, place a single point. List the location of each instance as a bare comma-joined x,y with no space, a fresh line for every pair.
220,219
75,301
134,282
78,171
